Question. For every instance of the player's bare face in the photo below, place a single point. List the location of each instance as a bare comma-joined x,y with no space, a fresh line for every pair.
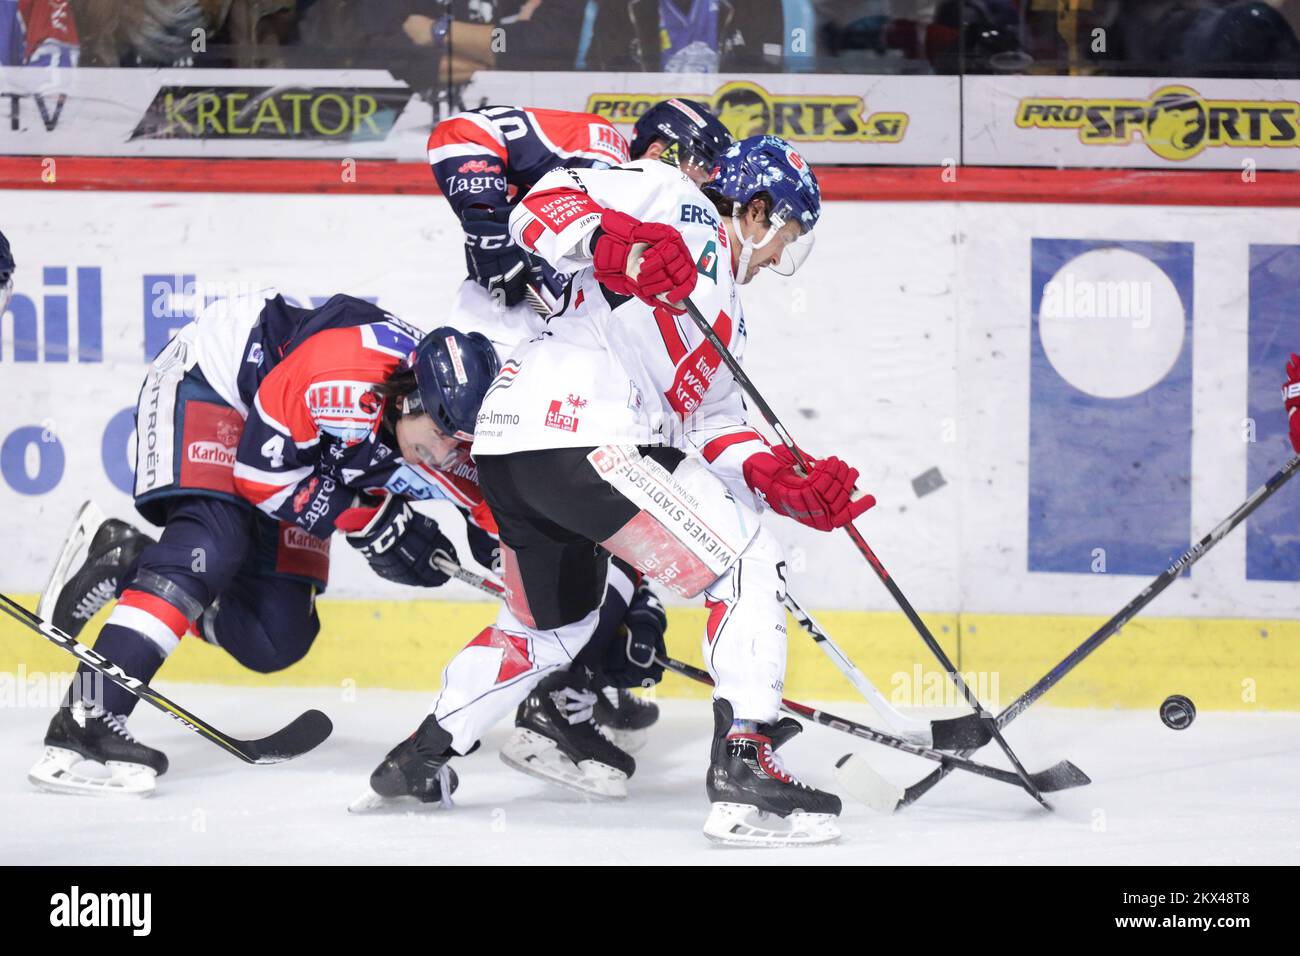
755,227
419,439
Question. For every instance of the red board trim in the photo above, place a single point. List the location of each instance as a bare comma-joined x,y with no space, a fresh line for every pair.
873,183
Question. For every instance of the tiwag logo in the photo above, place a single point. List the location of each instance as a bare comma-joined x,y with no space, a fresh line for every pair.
45,317
131,910
748,109
1176,122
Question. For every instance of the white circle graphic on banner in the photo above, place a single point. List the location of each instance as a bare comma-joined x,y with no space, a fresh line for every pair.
1112,323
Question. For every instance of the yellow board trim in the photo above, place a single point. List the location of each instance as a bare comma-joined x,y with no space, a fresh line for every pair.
1221,664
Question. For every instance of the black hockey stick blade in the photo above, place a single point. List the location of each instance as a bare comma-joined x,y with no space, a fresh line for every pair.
1062,776
961,733
306,732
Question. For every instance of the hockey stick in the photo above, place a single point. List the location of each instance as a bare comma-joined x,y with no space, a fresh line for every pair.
466,576
1122,617
307,731
744,381
955,733
1062,776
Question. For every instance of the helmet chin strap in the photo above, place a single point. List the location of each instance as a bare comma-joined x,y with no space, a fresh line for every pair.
747,246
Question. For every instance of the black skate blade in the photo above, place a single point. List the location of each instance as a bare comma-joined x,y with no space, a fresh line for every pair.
961,733
1062,776
307,732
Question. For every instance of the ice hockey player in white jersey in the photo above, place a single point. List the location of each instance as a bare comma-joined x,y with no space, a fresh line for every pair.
620,430
484,160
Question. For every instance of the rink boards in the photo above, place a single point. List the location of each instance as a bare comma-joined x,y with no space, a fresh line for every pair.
1222,664
1050,401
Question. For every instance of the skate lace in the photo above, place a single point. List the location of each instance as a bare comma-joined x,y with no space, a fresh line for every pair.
577,706
95,599
117,724
114,722
773,764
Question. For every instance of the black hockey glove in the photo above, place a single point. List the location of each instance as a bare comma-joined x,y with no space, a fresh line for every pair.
485,548
631,660
400,544
494,261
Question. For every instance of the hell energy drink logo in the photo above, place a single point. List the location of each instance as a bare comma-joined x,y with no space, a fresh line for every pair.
1176,122
747,109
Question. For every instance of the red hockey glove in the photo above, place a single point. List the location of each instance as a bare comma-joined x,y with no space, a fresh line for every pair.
823,499
1291,394
646,259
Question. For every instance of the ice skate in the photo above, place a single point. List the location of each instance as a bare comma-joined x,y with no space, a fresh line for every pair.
624,718
556,739
756,801
415,773
90,751
70,602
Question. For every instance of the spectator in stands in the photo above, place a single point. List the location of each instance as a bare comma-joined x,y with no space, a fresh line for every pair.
688,36
38,33
977,36
1242,38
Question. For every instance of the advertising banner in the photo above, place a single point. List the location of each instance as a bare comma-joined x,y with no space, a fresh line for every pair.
358,114
1137,122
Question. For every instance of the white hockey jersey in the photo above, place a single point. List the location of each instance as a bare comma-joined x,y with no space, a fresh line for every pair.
611,370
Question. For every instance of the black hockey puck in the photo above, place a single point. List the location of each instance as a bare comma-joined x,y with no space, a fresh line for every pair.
1177,712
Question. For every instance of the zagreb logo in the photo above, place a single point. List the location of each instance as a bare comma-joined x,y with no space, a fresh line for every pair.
1176,123
747,109
479,166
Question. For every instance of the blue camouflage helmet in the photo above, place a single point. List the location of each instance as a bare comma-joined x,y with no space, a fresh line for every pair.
768,164
452,373
693,133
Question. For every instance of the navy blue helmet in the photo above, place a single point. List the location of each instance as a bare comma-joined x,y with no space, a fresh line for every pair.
769,166
693,133
452,373
7,267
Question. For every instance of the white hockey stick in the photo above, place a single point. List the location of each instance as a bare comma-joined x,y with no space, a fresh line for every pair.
957,733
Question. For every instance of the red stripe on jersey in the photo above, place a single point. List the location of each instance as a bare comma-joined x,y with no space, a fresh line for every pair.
671,336
713,449
557,209
458,130
173,618
258,492
532,232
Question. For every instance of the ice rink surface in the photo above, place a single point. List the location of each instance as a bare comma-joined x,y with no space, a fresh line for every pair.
1222,792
